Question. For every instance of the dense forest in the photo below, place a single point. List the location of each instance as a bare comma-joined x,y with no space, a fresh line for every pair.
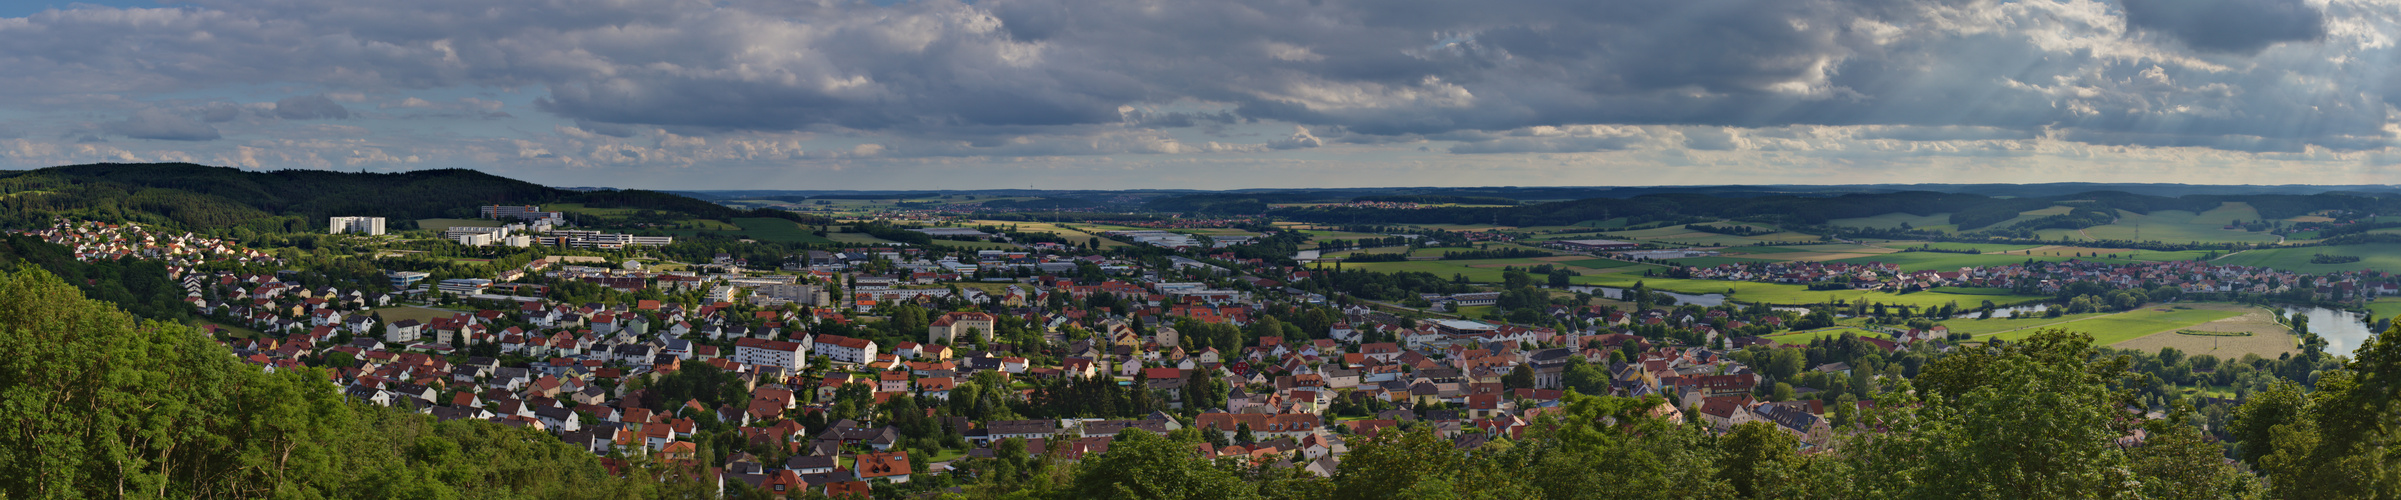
211,199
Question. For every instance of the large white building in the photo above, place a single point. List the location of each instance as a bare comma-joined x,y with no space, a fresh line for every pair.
842,349
791,356
372,226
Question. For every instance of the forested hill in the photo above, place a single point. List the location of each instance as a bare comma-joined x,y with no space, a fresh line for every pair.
204,198
1969,211
100,406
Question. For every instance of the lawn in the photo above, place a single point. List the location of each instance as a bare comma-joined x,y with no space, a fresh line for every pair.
2114,328
2379,256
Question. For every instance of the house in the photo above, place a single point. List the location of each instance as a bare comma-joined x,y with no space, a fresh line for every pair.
842,349
407,330
948,328
790,356
890,466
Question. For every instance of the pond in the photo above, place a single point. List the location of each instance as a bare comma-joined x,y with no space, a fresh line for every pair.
2008,312
2342,330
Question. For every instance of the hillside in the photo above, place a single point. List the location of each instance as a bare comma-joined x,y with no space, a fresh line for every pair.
204,198
103,406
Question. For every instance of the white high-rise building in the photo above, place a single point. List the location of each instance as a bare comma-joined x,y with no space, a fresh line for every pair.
372,226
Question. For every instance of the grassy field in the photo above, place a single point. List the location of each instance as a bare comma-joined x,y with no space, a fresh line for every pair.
858,238
2387,307
2266,337
1982,327
439,225
1941,221
1600,263
2380,256
1715,261
1365,251
2180,226
1950,245
2109,329
1803,337
1755,250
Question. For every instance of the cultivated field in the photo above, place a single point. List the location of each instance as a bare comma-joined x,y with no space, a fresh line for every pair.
2267,338
2113,328
2378,256
2182,226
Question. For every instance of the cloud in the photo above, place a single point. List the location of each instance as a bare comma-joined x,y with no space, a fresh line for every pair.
310,107
162,125
947,79
2238,26
1300,140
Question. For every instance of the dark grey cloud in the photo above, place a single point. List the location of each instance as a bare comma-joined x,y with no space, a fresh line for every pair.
310,107
162,125
2243,26
220,113
1353,71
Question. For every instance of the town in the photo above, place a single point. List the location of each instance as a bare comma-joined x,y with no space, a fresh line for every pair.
850,371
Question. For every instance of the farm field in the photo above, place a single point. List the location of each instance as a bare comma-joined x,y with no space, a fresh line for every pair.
1601,263
1952,245
2027,216
2181,226
1752,250
2380,256
2267,339
1072,235
1782,294
439,225
858,238
1982,327
2155,318
1715,261
1803,338
1365,251
1940,221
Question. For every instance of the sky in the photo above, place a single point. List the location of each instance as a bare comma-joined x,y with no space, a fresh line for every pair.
1217,94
